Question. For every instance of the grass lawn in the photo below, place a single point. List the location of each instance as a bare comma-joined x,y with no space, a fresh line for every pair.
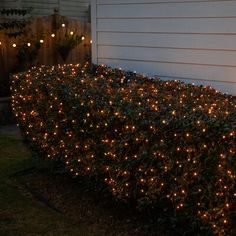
20,212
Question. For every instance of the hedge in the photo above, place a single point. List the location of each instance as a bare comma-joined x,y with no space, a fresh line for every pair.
158,144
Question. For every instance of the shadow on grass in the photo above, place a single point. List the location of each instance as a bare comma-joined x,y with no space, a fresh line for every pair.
20,212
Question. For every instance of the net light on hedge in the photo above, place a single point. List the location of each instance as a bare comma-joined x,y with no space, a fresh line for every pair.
143,152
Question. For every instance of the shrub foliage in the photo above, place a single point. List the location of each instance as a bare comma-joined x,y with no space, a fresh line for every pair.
158,144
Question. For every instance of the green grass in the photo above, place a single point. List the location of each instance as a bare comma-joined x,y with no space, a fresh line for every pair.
20,213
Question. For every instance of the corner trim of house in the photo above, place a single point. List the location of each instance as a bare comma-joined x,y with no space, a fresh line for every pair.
94,31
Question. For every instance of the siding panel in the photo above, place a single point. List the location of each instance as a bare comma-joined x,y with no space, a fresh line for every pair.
118,2
186,9
168,40
9,3
75,9
187,56
40,8
207,26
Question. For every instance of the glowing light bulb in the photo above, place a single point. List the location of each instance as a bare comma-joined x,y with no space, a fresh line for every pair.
13,45
52,35
71,33
91,41
28,44
82,38
63,25
41,41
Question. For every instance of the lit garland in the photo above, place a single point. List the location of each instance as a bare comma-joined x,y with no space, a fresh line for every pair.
147,139
53,35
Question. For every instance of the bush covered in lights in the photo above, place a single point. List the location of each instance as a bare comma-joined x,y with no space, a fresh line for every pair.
159,144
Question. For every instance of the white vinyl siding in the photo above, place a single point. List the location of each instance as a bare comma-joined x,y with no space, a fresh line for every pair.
40,7
78,9
9,3
75,8
191,40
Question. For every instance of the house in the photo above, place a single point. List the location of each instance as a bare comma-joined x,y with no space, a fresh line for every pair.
77,9
190,40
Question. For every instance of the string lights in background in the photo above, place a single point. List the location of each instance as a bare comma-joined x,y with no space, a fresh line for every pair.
156,143
53,35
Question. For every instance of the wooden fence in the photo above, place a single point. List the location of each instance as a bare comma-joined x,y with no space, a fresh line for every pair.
46,32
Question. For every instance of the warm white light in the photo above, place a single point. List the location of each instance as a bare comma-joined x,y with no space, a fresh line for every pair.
41,41
13,45
91,41
82,38
0,43
63,25
71,32
53,35
28,44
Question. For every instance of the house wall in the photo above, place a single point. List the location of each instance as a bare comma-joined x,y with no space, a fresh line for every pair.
78,9
191,40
